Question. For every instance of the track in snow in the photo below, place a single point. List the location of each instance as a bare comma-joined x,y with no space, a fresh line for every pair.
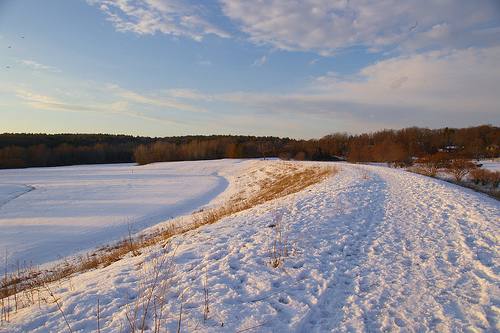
9,192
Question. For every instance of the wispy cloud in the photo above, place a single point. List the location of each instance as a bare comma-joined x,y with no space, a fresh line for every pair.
165,102
260,61
171,17
38,66
39,101
204,62
313,61
189,94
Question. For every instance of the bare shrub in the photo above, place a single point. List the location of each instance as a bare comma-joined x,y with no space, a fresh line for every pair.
485,177
98,317
495,179
459,168
479,176
206,300
149,302
279,243
59,307
429,165
131,241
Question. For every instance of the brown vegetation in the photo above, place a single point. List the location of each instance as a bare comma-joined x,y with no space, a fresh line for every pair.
460,168
485,177
396,147
40,150
464,172
429,165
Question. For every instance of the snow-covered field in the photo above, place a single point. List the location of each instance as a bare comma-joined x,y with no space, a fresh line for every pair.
370,249
46,213
493,165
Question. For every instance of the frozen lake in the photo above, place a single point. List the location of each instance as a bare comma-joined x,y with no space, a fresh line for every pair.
48,213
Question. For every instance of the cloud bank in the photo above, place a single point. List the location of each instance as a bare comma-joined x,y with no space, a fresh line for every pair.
327,26
399,90
437,62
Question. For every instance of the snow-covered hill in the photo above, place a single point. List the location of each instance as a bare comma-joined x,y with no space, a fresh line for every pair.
370,249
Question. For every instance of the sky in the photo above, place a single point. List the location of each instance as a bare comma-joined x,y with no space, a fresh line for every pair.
295,68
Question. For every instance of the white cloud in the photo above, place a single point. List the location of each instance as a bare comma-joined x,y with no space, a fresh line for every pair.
38,66
189,94
322,26
204,62
39,101
326,26
113,100
444,81
313,61
34,98
171,17
436,87
260,61
164,102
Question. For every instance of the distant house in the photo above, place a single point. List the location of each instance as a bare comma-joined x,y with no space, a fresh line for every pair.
450,149
493,149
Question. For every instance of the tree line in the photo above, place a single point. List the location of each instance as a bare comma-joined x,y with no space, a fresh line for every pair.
40,150
395,146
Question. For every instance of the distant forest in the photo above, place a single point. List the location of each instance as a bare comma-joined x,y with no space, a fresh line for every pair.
397,146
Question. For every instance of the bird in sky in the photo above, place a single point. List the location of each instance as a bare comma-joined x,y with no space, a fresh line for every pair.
414,26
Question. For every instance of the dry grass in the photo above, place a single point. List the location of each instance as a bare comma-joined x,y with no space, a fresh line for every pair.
150,301
24,285
279,244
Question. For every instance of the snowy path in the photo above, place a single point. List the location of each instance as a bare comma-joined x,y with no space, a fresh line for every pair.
432,264
371,249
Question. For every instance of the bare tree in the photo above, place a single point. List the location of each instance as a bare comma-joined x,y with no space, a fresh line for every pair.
460,168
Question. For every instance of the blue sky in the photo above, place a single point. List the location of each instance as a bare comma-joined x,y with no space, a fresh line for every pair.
287,68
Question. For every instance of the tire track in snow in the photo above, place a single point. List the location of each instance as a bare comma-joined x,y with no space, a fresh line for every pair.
27,189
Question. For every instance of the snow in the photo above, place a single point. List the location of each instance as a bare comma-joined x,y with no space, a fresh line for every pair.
370,249
47,213
493,165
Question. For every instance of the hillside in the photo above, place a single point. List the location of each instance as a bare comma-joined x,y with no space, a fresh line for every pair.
369,249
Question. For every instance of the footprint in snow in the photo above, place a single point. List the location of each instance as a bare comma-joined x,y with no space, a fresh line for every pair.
485,257
453,257
400,322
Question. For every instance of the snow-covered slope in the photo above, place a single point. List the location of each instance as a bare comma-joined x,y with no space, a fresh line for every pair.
46,213
370,249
